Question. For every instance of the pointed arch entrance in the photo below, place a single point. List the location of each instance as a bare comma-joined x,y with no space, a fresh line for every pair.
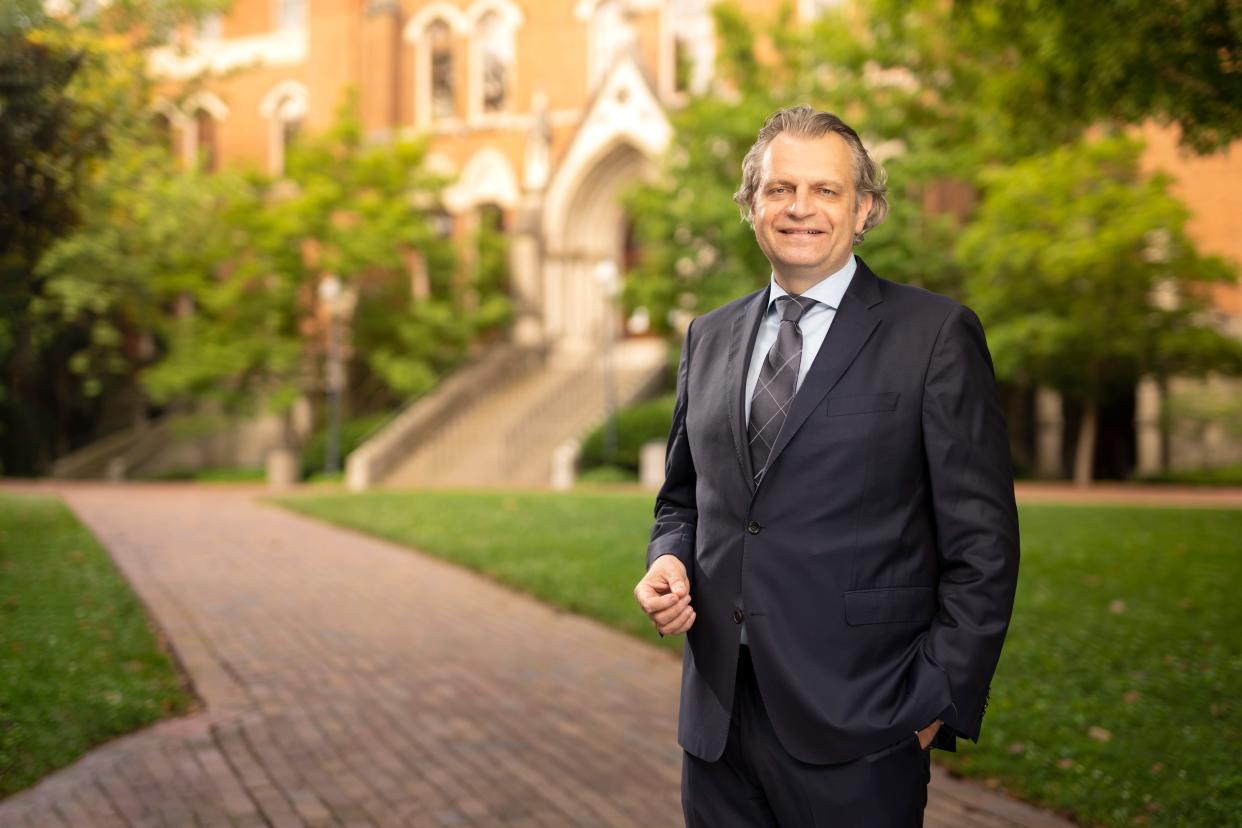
591,240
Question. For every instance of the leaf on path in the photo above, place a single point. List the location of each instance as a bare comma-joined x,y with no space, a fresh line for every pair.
1099,734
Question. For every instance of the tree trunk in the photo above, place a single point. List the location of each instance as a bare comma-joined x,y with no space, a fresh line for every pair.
1084,451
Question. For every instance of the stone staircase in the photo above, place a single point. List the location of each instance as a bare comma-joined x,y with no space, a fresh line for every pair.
507,438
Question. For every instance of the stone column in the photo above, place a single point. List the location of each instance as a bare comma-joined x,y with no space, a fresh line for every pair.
1049,434
526,277
1148,402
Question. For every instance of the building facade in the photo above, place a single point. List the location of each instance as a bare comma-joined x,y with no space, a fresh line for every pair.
543,111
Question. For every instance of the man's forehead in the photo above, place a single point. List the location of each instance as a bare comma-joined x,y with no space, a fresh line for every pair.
825,156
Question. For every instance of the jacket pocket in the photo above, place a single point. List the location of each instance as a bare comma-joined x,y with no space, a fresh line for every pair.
889,606
862,404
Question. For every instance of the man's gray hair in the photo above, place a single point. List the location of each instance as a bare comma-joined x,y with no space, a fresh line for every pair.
805,122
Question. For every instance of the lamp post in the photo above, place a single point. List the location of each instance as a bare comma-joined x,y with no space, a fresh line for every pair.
610,279
339,304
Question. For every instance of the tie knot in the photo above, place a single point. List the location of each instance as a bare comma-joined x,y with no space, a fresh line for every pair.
791,308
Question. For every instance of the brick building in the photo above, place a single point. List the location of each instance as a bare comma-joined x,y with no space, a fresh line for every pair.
544,110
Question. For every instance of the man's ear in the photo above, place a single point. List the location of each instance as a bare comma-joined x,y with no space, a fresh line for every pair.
862,211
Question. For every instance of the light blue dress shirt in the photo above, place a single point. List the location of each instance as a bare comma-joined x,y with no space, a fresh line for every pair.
814,326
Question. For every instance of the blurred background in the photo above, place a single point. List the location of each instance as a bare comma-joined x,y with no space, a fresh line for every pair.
237,230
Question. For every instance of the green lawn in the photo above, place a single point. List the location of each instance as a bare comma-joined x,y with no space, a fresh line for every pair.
79,663
1117,698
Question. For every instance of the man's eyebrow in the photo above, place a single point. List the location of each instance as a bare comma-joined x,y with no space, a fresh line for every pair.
781,182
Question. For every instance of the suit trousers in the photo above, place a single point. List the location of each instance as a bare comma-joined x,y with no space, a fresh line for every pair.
756,783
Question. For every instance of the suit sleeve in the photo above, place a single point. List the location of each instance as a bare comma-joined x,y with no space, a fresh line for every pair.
676,515
971,480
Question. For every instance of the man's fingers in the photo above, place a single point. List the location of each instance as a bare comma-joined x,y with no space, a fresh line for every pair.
671,612
684,622
654,602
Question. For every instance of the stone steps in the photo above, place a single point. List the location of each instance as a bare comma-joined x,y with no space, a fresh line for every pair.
507,438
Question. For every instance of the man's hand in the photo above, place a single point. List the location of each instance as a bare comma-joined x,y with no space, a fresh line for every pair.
664,595
928,733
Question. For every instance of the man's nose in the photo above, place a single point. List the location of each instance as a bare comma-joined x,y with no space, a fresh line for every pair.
801,204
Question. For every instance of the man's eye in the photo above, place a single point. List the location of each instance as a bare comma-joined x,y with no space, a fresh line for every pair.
826,191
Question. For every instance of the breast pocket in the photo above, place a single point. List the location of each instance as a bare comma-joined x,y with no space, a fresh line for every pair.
856,417
861,404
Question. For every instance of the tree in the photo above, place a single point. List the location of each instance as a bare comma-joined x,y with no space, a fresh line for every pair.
1083,272
349,211
697,252
1041,71
66,93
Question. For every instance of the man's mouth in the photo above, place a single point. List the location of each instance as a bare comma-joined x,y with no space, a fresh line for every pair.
801,232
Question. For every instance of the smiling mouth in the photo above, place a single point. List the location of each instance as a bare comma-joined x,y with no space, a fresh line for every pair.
801,232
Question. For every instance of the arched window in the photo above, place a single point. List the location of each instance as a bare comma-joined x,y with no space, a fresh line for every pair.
692,55
289,115
433,32
494,42
285,107
439,44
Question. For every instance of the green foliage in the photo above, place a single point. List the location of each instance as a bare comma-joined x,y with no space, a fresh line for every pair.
1082,269
1115,695
637,425
81,663
1121,61
125,276
346,210
607,476
79,161
942,91
1025,75
697,252
353,432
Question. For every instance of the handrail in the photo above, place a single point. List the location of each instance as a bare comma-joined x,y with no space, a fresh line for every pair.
93,458
549,414
431,413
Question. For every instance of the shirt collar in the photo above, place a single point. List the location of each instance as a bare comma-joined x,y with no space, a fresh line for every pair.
828,291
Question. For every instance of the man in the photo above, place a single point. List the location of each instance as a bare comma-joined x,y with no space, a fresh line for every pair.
836,533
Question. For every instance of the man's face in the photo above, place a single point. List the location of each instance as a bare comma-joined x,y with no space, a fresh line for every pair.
806,209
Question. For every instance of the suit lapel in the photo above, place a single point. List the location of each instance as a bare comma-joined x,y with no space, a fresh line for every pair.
741,347
853,325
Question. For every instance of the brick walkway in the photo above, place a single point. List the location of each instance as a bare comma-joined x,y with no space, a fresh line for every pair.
350,682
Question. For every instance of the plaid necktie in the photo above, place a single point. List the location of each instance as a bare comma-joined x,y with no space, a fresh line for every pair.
778,380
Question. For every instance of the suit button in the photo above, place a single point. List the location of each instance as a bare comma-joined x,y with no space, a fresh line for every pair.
737,616
753,527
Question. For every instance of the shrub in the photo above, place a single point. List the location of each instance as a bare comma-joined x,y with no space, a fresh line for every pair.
636,425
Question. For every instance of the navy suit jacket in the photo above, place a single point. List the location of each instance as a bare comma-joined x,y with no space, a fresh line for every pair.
875,565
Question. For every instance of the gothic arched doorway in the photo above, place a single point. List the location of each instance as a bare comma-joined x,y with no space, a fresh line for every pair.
593,242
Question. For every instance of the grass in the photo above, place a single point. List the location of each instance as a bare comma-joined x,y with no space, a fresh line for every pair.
1219,476
1116,699
218,474
79,664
